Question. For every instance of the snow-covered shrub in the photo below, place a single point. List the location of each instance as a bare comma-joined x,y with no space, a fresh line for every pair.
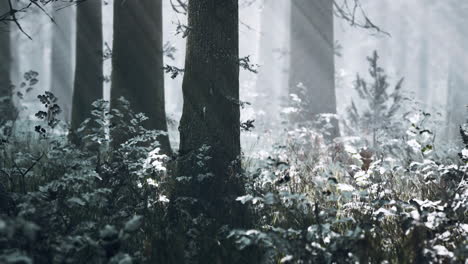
401,198
72,204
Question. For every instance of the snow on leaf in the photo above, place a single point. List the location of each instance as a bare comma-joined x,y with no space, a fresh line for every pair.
16,257
442,251
286,259
269,198
295,98
245,198
133,224
344,187
289,110
152,182
414,145
465,153
76,200
163,199
384,212
464,227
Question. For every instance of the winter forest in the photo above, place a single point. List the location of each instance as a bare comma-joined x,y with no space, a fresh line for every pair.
233,131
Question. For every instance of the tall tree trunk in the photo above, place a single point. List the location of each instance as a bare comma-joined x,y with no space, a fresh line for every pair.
457,99
88,83
62,58
7,109
384,47
211,115
401,41
209,127
457,94
312,58
273,62
137,62
424,90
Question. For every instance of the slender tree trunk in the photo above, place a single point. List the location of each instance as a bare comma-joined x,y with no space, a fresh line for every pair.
137,62
7,109
312,58
209,127
62,58
88,83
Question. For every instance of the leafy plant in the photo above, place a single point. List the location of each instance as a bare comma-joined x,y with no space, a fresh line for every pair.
377,119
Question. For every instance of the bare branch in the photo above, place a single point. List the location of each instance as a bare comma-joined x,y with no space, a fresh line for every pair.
350,13
11,16
180,7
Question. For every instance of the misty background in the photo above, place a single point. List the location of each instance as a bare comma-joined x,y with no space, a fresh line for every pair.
422,41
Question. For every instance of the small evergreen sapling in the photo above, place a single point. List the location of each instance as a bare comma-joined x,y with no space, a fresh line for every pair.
376,119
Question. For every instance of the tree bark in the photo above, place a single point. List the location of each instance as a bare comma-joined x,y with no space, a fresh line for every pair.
312,61
209,127
88,83
7,108
211,115
137,62
62,58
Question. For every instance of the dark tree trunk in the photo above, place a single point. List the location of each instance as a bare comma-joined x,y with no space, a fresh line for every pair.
7,109
312,61
88,84
62,59
209,127
137,62
211,112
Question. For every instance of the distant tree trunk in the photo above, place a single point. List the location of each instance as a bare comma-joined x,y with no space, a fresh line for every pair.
88,83
424,90
401,41
7,109
272,60
384,47
137,62
457,94
209,127
312,57
62,58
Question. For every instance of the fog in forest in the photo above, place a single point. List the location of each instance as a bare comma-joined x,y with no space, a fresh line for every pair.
297,127
420,41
